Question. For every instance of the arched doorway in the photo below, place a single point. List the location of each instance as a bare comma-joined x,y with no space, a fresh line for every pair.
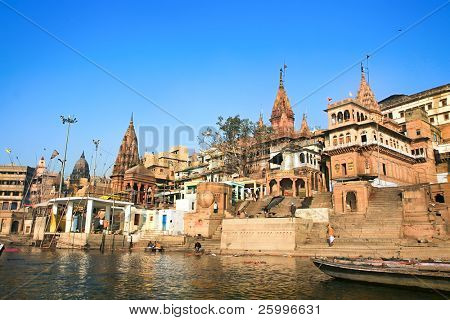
286,187
300,186
15,227
273,187
350,201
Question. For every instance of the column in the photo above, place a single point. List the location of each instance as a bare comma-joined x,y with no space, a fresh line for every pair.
53,217
108,216
306,186
242,193
69,216
126,227
294,187
89,211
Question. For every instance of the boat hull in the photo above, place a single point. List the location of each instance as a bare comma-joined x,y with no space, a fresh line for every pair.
388,277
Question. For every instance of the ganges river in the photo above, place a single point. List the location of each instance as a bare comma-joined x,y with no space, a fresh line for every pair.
69,274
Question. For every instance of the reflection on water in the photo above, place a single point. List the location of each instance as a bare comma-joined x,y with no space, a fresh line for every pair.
36,274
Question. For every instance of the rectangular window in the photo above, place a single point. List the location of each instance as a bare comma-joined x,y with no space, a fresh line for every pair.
432,120
390,115
446,116
384,169
429,106
402,114
443,102
363,138
418,132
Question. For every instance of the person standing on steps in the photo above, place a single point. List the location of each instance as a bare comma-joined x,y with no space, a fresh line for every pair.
216,207
293,209
330,235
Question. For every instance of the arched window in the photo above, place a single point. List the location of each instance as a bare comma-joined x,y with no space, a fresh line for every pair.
341,138
340,117
358,118
348,138
346,115
335,141
333,118
302,158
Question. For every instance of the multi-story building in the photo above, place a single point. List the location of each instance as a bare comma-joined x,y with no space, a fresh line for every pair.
365,145
435,102
15,183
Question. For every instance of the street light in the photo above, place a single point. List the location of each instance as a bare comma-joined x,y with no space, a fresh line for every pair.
69,120
96,143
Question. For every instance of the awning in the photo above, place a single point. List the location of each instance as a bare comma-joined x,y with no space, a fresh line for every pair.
277,159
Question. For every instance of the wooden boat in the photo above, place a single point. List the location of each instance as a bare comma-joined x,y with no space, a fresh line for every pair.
153,249
424,274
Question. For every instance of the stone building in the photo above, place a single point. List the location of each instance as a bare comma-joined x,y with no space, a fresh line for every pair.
15,183
364,145
44,185
127,158
435,102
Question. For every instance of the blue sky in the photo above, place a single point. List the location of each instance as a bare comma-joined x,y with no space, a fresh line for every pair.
197,60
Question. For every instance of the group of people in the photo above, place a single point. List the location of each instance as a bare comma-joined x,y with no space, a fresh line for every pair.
154,246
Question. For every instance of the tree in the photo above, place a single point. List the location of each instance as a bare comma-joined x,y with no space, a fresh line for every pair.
233,142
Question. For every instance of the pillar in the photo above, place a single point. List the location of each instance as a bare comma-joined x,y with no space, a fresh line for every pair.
108,216
306,186
242,193
126,227
294,187
53,217
69,214
89,211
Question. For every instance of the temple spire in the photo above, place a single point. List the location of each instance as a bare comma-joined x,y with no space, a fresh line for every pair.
260,121
365,94
131,120
282,117
304,129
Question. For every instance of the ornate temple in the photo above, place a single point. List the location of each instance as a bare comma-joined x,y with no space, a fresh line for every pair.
127,157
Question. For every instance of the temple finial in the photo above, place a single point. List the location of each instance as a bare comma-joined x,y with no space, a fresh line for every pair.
281,77
131,120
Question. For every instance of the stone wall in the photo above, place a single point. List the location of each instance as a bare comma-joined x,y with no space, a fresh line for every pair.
274,234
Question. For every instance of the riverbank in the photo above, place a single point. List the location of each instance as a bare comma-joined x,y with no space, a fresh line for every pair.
421,251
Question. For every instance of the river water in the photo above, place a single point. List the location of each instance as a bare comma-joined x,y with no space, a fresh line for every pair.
66,274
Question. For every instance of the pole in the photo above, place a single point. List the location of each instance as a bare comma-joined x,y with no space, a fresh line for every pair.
378,153
96,143
69,121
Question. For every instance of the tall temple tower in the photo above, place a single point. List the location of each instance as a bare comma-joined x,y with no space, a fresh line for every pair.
282,118
127,157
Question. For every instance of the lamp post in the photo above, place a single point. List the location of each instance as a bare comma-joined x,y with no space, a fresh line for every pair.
69,120
96,143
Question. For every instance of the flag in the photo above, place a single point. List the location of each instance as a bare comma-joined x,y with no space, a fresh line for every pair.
329,99
54,154
350,94
8,150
